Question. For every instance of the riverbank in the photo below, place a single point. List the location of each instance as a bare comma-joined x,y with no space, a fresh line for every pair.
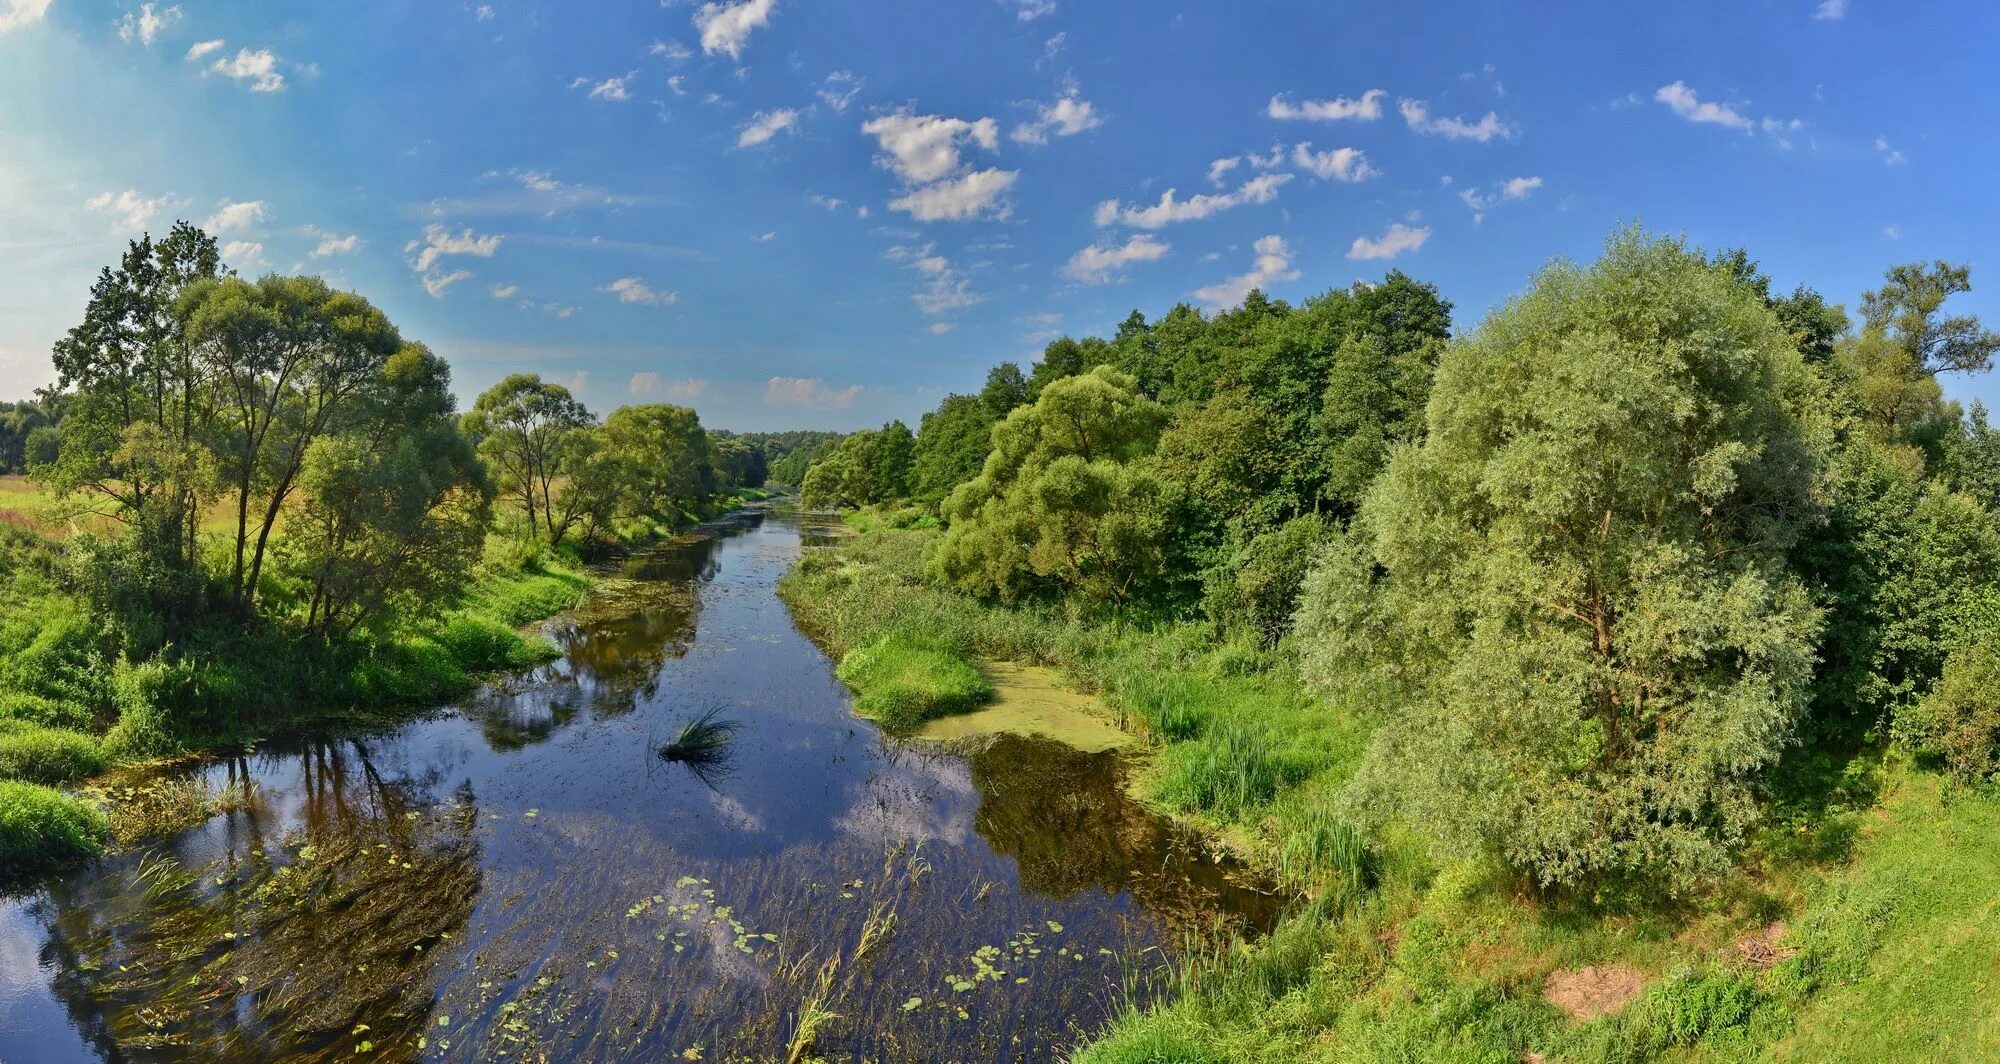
1400,957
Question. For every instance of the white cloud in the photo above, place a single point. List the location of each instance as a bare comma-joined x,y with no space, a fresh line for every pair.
236,217
1417,114
945,289
439,241
504,291
725,27
1890,156
1830,11
766,124
243,252
974,195
128,208
671,51
1220,169
634,290
204,48
259,68
1098,263
437,283
649,384
809,392
1030,10
483,12
922,148
1261,189
939,328
1398,239
146,24
335,245
608,89
564,312
1340,164
1892,232
1066,117
840,88
1366,109
1273,263
1516,188
765,238
17,13
1683,102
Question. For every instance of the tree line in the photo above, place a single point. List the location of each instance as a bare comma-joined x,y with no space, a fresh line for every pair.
1595,565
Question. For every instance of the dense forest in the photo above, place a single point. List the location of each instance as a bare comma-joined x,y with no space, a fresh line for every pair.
1585,635
259,506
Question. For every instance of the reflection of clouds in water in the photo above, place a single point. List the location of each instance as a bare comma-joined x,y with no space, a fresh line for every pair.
917,799
20,957
735,813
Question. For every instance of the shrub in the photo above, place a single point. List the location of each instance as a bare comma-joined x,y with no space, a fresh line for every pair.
481,645
903,682
1959,720
49,755
42,829
45,712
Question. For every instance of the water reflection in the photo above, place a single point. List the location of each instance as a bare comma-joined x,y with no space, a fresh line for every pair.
526,874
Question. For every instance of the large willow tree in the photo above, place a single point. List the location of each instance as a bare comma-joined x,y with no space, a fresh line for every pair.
1570,600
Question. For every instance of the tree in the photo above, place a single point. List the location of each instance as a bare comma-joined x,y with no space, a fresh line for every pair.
738,460
1005,389
520,425
1573,590
141,407
866,467
1908,309
662,458
394,513
952,442
1066,500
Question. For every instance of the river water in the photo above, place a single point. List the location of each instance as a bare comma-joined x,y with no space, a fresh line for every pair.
522,877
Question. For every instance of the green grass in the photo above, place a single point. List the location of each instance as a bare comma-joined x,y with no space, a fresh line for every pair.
48,755
42,829
903,681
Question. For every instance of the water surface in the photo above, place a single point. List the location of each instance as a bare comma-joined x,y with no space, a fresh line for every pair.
521,877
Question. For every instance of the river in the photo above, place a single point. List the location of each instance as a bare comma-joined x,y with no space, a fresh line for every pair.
522,877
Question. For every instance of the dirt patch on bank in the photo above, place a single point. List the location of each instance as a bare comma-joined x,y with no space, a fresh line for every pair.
1592,991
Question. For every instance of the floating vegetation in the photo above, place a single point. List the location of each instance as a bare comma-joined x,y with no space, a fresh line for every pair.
162,807
703,740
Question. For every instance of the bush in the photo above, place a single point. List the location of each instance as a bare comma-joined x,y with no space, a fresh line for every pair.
49,755
481,645
42,829
903,682
1959,720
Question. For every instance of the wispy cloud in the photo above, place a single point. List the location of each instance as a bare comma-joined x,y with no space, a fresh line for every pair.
1340,164
128,209
235,217
766,124
810,393
438,242
1101,263
1397,239
146,24
1273,262
258,68
635,290
1830,11
648,384
840,88
1367,108
1170,209
727,27
1029,10
1068,116
1417,115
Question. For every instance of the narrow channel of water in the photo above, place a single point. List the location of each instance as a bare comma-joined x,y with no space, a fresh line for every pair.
522,878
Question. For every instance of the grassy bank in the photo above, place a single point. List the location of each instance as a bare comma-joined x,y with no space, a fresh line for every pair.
1837,938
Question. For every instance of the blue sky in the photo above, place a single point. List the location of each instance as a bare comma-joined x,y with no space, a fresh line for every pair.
796,213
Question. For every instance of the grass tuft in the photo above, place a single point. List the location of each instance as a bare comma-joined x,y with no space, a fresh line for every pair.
902,681
42,830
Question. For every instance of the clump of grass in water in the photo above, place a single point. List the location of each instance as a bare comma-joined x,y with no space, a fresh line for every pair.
702,743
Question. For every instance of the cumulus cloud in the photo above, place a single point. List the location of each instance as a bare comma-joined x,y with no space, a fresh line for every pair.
236,217
766,124
243,252
634,290
1340,164
1366,109
439,242
957,199
128,209
17,13
840,88
726,27
1683,102
1100,263
259,68
922,148
1066,117
1170,209
1273,263
1396,240
809,392
648,384
1417,115
146,24
330,244
437,283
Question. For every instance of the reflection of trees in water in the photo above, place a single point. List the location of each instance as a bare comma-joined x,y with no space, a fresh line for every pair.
1064,817
288,946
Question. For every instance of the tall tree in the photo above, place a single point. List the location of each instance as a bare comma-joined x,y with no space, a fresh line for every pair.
520,425
1572,596
663,456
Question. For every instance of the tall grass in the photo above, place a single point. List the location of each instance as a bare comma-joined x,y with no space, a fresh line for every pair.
42,829
902,681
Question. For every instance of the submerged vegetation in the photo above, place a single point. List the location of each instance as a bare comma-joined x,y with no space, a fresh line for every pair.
1598,674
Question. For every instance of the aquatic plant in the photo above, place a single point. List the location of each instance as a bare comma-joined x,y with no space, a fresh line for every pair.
703,740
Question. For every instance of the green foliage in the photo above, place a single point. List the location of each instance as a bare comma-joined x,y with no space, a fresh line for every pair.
41,830
1065,499
48,755
521,427
1575,584
1958,720
867,467
951,446
903,680
1258,590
